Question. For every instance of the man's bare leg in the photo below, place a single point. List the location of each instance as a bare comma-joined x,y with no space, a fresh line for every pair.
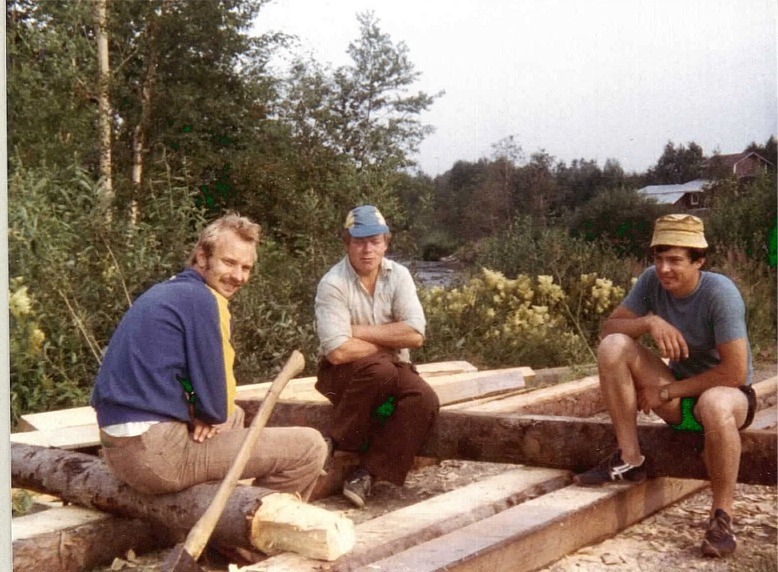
721,411
625,366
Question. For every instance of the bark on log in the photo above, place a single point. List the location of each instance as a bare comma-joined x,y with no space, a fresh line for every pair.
578,444
86,480
569,443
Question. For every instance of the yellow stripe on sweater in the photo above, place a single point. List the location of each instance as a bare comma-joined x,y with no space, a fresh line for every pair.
227,350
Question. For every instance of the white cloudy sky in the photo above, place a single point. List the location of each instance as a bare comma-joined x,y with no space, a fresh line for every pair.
592,79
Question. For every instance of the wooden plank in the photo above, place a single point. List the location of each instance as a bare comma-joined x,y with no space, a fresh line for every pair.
56,419
465,386
71,539
766,392
70,438
578,398
302,388
401,529
765,419
295,388
444,368
532,440
57,431
450,388
541,531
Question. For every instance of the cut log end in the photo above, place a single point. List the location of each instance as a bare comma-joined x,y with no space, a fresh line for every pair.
284,523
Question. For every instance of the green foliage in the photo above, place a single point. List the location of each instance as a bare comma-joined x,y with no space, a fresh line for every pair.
677,164
51,60
437,245
739,227
743,216
273,314
494,321
526,248
73,279
621,218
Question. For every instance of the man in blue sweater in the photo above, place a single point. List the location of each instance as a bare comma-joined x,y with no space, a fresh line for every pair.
164,394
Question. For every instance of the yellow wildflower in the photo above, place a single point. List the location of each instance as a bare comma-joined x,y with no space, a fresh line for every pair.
19,303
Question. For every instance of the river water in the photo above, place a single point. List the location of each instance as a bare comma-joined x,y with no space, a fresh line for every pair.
433,273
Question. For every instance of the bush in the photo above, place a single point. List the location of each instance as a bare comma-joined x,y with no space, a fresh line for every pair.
620,218
437,245
743,217
73,277
527,249
494,321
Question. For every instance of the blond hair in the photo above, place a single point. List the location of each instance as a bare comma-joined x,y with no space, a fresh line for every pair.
244,227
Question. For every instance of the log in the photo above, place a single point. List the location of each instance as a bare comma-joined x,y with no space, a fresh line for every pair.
86,480
569,443
284,524
578,444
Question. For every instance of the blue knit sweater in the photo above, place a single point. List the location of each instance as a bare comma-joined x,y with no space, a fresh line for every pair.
174,331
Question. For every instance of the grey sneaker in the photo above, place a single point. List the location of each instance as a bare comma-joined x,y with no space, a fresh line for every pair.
719,539
357,487
612,469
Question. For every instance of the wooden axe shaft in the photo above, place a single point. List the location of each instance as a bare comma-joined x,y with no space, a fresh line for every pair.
201,532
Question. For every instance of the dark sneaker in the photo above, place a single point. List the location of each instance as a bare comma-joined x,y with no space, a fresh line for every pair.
719,539
357,487
612,469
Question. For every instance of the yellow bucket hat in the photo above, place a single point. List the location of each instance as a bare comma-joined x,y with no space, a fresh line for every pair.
679,230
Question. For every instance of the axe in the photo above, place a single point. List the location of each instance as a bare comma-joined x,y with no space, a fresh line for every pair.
183,557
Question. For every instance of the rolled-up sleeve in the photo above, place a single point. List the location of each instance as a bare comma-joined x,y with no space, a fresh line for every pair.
333,318
406,305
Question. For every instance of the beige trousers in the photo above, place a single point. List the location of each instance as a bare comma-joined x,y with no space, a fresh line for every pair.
166,459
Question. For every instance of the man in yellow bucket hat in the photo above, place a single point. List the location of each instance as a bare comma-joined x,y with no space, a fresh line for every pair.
696,319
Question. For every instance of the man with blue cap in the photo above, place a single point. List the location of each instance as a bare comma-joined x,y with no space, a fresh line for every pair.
368,315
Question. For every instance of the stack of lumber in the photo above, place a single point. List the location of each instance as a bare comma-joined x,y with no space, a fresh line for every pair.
522,519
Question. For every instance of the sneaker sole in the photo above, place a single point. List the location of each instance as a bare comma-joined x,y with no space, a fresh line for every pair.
354,498
712,552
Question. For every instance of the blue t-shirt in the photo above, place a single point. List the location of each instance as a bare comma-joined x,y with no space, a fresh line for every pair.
713,314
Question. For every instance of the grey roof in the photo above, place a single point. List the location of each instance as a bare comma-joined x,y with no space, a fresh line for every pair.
670,194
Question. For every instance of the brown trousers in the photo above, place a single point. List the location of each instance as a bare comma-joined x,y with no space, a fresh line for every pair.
357,389
166,459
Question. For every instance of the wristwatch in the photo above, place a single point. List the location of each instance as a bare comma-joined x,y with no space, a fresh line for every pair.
664,394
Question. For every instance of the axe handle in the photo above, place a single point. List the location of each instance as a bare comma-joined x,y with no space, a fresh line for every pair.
201,532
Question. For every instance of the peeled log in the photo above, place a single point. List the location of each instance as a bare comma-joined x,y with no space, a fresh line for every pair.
87,481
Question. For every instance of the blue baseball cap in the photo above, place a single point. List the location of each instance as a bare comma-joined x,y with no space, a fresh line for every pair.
365,221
